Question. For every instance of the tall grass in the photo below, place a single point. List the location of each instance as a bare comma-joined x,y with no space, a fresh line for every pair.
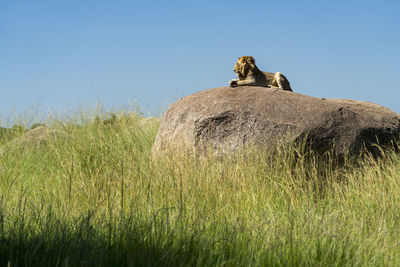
90,195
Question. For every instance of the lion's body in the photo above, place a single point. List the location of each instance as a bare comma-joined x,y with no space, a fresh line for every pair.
249,74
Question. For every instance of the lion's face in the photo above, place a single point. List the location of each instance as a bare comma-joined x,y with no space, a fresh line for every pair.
243,65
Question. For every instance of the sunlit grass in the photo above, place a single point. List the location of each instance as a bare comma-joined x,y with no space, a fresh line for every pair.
90,194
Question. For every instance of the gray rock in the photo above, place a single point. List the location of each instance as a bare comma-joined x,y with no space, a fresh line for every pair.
226,119
37,136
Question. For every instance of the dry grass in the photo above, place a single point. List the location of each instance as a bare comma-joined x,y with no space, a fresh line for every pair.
92,197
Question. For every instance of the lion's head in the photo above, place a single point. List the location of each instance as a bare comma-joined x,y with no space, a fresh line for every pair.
243,66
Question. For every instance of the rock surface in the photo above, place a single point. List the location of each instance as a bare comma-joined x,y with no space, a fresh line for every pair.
38,134
226,119
34,137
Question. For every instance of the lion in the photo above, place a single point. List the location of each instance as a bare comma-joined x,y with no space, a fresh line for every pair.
249,74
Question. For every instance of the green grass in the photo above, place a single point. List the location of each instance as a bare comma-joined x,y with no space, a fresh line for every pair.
91,195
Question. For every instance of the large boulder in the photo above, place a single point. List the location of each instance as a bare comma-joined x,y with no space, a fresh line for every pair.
225,119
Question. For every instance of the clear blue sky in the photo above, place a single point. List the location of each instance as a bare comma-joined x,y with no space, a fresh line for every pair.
58,55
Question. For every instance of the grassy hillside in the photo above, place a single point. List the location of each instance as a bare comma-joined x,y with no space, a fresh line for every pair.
90,195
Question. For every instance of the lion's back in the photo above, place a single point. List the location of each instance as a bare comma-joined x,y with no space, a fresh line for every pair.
270,76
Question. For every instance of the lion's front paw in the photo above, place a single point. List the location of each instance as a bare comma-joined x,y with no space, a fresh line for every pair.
233,83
